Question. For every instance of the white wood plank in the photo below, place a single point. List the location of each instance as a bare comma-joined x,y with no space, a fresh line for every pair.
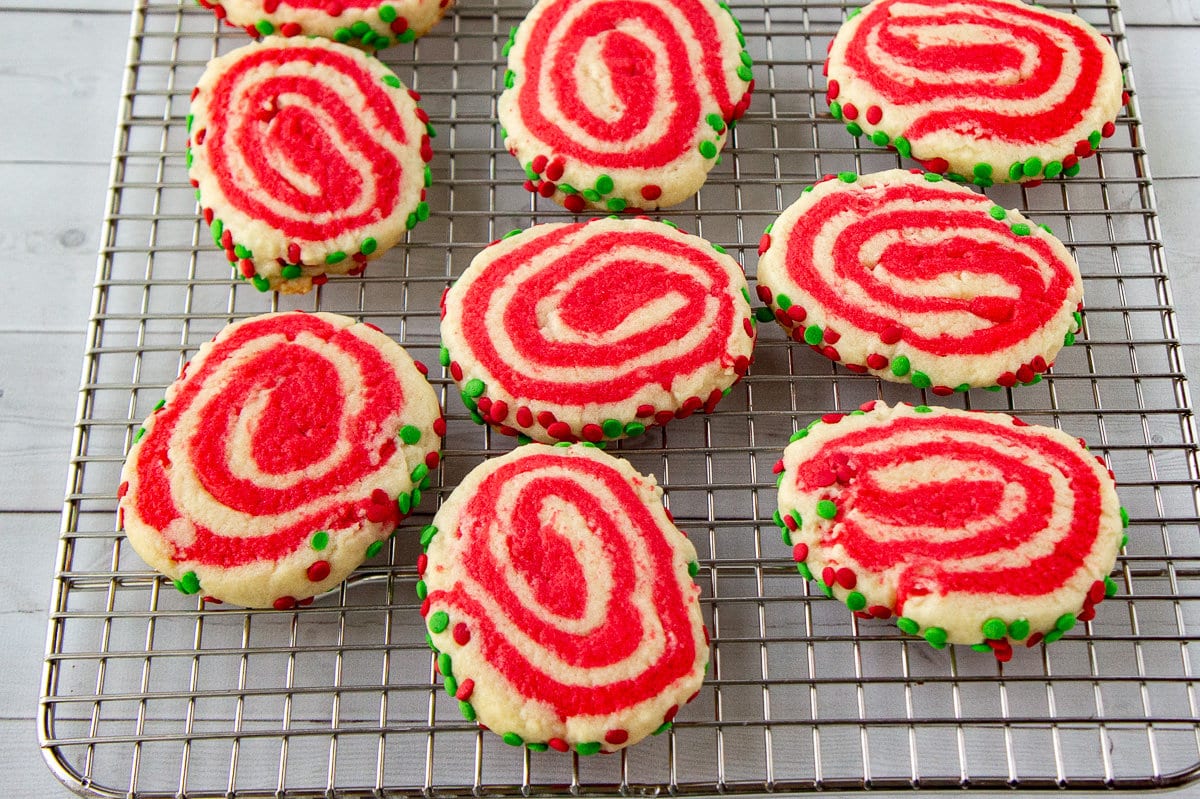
39,378
24,775
1161,12
1179,208
65,96
1166,69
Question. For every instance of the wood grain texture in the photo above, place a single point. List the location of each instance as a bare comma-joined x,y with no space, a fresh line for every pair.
1168,94
1162,12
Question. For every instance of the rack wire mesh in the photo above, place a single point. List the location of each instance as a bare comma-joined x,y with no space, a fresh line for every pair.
150,693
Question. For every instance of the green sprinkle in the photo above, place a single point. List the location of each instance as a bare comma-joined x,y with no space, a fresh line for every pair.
708,149
392,80
852,13
835,109
428,176
745,291
715,122
933,177
342,35
936,637
335,257
693,568
242,251
530,172
444,664
804,571
879,138
745,73
439,621
616,204
264,27
612,428
954,177
1032,168
138,435
261,283
160,404
763,314
1021,229
827,509
1124,517
537,747
796,516
1016,171
427,534
1052,636
368,246
1110,587
922,409
591,195
982,170
847,177
189,583
405,503
450,684
783,301
509,78
444,356
604,184
1019,630
566,188
320,540
997,212
785,535
374,548
1094,139
634,429
218,227
827,590
907,625
813,334
360,28
721,250
1073,170
981,647
994,628
379,41
1068,339
962,388
903,146
422,211
1054,169
387,13
799,434
856,601
408,35
589,748
290,272
921,380
467,711
666,725
410,434
900,365
1065,622
854,129
470,403
474,387
778,519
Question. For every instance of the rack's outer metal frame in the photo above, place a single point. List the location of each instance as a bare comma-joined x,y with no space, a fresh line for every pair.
149,693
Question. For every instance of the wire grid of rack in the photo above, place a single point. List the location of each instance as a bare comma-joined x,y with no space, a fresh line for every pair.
151,693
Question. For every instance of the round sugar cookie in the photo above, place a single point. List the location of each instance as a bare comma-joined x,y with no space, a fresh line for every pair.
971,528
915,279
308,158
285,454
620,104
988,91
558,594
372,24
595,331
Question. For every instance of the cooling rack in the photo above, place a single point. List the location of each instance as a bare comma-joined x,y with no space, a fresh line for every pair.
150,693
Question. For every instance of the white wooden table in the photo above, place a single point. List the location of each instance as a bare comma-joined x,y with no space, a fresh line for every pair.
60,78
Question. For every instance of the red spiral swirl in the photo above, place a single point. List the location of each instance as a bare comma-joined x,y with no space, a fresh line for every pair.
635,303
307,139
945,502
663,61
519,583
987,71
242,459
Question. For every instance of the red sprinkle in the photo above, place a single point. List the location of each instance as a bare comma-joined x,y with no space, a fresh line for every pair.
524,417
559,430
877,361
850,111
891,335
650,192
880,612
942,391
432,460
763,292
425,607
400,25
1108,130
1008,380
462,634
558,745
318,571
937,164
290,29
797,314
846,578
422,564
546,418
829,576
465,689
285,603
874,114
834,89
547,189
439,425
662,417
800,552
593,432
554,171
456,370
748,326
574,203
764,244
1034,640
616,737
539,164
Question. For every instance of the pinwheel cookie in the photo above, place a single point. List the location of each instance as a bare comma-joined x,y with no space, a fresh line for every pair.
988,91
971,528
616,104
595,331
915,279
368,23
308,158
284,455
558,595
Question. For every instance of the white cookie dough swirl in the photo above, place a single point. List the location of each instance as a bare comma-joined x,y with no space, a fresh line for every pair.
596,331
558,594
623,103
287,452
915,279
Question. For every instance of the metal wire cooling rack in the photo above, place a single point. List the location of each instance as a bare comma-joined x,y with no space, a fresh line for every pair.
149,693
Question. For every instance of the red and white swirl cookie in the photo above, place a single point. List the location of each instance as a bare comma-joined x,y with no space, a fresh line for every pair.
972,528
284,455
620,104
558,595
308,158
915,279
595,331
368,23
990,91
